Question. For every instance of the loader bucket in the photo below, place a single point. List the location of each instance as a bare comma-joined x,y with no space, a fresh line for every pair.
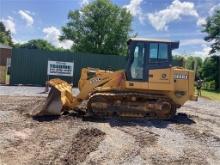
52,106
60,97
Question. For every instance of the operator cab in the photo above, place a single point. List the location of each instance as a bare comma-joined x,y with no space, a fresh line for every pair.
146,54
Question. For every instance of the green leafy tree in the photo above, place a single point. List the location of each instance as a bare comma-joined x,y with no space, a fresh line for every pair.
178,60
36,44
5,36
210,70
190,64
100,27
212,28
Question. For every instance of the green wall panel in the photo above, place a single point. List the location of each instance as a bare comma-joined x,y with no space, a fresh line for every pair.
29,67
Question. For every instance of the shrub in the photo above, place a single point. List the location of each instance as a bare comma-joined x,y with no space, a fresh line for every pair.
210,85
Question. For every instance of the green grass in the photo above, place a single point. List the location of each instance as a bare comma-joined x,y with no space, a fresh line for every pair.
213,95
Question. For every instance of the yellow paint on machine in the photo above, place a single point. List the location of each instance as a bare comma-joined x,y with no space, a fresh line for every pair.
175,82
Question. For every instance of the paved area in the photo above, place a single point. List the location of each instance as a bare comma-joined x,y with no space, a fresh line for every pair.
25,91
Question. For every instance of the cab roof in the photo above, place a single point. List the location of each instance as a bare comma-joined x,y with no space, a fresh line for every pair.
149,39
174,44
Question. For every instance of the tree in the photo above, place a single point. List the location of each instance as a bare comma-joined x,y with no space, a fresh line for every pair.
210,71
212,28
99,27
5,36
178,60
37,44
190,64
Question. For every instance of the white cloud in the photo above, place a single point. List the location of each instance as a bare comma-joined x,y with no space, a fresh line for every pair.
204,47
190,42
26,16
9,24
84,2
27,11
201,21
52,36
204,52
134,7
19,41
213,9
175,11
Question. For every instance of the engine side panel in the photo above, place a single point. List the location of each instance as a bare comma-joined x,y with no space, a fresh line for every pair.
161,79
175,82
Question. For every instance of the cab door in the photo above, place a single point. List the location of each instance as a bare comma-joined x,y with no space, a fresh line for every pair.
137,72
159,66
136,69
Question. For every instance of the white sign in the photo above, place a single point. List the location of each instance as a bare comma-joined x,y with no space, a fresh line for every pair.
59,68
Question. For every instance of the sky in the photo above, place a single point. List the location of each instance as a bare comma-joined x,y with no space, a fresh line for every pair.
180,20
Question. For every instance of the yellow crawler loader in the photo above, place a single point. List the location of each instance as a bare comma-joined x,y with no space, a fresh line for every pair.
148,87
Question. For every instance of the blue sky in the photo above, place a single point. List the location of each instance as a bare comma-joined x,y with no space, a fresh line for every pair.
172,19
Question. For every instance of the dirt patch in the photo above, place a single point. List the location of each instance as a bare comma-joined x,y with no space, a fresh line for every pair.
201,136
86,141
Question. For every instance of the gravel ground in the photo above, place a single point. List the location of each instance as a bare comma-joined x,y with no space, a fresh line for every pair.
25,91
192,137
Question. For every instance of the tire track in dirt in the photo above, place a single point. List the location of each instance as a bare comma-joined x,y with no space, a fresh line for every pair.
198,110
194,133
84,142
204,137
142,136
204,119
190,156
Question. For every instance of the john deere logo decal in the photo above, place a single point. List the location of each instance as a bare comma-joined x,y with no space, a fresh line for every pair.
164,76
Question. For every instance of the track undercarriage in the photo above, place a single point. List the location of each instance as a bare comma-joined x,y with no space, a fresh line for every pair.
130,104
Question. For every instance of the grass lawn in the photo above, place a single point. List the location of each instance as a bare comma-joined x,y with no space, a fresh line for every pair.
211,95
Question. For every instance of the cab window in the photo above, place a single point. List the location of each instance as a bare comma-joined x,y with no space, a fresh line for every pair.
158,52
153,51
163,51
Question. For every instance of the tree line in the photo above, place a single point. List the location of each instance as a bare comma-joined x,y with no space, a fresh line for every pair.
207,70
104,28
